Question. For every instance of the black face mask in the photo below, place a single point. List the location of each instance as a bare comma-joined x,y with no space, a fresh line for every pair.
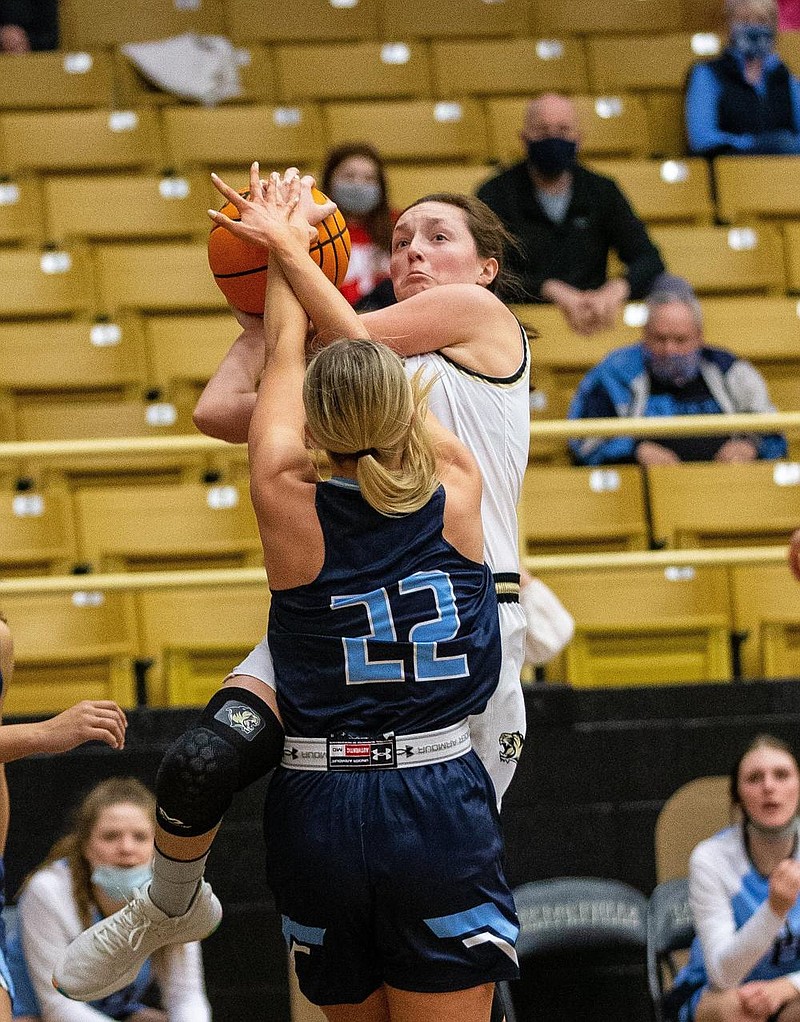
552,156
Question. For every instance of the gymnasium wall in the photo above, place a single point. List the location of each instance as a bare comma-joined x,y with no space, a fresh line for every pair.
598,766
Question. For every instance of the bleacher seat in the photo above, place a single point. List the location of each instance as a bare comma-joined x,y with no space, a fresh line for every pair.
67,417
126,206
582,509
643,626
167,526
665,121
585,17
766,332
45,283
58,356
413,19
188,347
791,241
611,125
663,191
21,212
492,67
48,81
38,532
70,647
789,50
325,71
409,182
229,136
766,610
712,504
757,186
723,260
696,811
80,140
412,129
160,276
642,63
191,659
278,21
88,24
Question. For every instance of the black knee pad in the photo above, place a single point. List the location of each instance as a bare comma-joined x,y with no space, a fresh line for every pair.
237,740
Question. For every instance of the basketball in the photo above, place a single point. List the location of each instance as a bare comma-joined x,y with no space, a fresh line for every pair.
240,269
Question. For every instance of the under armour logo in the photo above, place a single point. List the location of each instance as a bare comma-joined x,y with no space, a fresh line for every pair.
383,755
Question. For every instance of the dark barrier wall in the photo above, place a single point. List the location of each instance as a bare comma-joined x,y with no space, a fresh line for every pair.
597,767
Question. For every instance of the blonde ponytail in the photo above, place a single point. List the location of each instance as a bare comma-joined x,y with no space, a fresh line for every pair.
359,403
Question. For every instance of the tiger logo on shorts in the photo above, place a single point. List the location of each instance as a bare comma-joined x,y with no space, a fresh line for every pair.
511,743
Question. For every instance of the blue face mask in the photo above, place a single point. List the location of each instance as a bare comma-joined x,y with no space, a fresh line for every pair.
121,882
753,42
677,370
552,156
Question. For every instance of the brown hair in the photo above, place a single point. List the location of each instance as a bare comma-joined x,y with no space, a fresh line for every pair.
761,741
359,403
111,792
379,223
492,239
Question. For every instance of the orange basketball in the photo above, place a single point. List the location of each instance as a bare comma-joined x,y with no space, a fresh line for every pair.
240,269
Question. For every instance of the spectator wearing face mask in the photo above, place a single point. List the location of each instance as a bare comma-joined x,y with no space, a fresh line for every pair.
671,372
566,219
91,873
745,101
355,178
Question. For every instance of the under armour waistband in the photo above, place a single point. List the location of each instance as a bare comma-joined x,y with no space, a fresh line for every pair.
506,584
386,752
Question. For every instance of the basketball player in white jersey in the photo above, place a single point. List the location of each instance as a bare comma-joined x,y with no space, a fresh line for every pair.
447,257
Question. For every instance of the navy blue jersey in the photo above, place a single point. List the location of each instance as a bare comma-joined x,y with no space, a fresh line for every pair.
399,631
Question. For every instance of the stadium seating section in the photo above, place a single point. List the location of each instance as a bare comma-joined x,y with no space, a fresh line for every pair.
113,324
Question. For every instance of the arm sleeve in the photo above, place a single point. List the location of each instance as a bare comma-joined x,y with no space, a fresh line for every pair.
729,954
628,235
702,118
179,971
592,401
749,394
45,931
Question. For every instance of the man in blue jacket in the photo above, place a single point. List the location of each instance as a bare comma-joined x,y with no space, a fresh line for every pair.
672,372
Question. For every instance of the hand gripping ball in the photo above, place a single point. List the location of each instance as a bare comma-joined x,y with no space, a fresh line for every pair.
240,269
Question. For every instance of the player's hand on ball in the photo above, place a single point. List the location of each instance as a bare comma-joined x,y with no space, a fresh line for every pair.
269,216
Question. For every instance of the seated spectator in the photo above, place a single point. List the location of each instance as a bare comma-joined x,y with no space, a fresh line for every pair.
355,178
671,372
27,25
89,874
566,219
743,889
746,100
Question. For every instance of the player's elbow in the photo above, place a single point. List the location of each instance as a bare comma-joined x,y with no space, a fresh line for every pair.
214,418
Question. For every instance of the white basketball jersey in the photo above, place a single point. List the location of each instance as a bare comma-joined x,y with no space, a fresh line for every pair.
491,416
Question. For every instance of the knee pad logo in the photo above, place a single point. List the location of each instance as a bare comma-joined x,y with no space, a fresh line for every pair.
240,718
511,743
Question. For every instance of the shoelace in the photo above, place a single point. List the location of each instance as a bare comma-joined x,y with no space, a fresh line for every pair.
125,928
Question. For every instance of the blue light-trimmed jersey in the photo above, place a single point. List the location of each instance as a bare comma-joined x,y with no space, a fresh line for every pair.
399,632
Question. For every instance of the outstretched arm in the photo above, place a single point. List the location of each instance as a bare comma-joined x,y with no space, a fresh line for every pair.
98,720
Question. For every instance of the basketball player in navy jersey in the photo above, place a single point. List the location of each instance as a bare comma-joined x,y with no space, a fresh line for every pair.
383,835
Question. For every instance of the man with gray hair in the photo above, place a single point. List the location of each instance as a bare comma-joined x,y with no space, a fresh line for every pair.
672,372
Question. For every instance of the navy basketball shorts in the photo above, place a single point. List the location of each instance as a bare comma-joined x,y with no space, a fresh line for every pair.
390,876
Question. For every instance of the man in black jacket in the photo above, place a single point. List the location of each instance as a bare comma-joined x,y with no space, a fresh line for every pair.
566,219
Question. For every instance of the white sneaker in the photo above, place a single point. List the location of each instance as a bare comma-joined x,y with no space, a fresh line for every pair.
109,955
